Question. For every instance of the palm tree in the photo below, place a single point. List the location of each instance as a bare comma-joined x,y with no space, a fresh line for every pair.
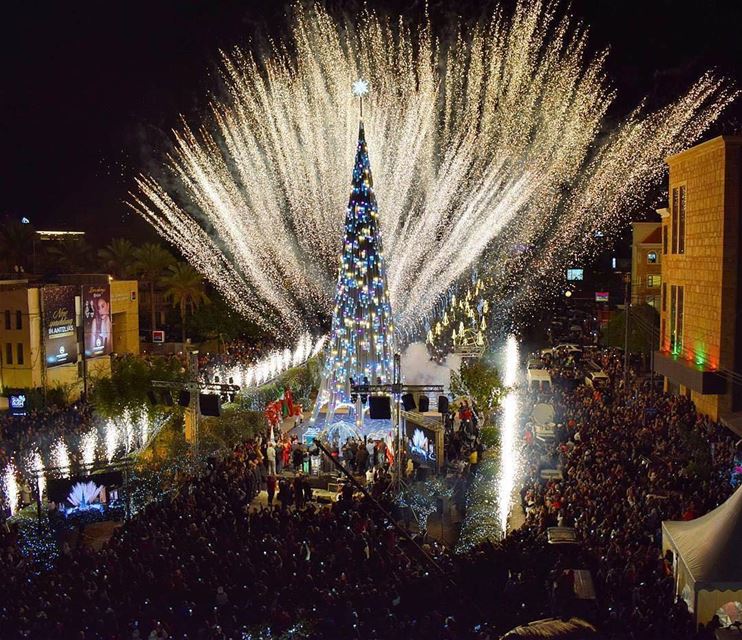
151,261
118,257
185,288
71,255
16,245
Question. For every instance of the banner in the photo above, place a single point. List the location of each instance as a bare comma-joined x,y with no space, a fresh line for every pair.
97,318
60,335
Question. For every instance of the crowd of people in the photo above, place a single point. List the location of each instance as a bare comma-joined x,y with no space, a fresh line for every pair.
212,562
630,458
38,429
206,565
21,431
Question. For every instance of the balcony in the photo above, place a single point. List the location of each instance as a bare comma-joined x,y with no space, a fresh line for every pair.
696,377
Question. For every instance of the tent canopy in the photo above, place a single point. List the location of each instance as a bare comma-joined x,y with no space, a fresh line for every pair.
710,546
572,629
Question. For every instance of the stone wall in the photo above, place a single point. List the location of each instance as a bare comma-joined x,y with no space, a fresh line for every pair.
708,270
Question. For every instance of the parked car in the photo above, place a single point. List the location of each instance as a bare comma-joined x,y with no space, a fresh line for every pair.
535,363
595,376
539,379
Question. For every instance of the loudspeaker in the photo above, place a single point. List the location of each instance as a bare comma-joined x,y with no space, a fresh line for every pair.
379,408
442,404
184,398
424,403
408,402
209,403
167,398
152,397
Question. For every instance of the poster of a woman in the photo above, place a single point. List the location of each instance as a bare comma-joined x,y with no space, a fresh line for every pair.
98,329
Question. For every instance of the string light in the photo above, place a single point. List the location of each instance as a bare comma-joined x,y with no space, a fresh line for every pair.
361,342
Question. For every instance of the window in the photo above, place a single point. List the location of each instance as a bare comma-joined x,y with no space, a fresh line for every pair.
575,274
678,219
664,296
652,257
18,320
8,353
7,319
653,281
674,214
681,219
676,319
664,239
679,323
19,353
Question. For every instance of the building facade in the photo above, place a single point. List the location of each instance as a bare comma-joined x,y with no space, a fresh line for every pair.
700,320
646,263
43,341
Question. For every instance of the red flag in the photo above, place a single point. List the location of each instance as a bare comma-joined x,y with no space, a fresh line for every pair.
289,400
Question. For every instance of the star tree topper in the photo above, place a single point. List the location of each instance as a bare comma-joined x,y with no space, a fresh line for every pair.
360,89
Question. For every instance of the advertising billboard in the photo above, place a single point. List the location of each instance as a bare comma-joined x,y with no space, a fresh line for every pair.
96,311
17,404
601,296
575,274
60,335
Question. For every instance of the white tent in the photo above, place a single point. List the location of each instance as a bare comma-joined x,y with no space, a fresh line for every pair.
708,557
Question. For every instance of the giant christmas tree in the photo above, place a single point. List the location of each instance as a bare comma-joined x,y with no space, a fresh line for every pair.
361,341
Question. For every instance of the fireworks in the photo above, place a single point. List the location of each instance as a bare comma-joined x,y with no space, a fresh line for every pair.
87,447
144,429
269,367
36,464
112,438
61,457
10,487
509,462
490,497
497,134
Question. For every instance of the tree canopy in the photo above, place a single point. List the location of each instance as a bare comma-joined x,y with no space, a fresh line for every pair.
643,329
481,381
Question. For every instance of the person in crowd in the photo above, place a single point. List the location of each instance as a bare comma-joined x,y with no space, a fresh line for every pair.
270,487
270,457
299,490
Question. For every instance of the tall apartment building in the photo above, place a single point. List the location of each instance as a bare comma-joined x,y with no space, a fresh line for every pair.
700,320
47,330
646,263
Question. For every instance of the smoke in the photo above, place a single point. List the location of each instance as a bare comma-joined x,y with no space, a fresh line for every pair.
418,368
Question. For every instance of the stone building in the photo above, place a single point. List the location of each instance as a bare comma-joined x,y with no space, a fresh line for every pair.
52,333
700,321
646,259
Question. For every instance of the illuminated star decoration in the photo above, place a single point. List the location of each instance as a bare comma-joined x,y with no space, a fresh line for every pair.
360,88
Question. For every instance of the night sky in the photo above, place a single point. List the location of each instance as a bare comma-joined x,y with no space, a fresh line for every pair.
91,89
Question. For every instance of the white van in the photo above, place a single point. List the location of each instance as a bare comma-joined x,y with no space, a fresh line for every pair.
539,380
